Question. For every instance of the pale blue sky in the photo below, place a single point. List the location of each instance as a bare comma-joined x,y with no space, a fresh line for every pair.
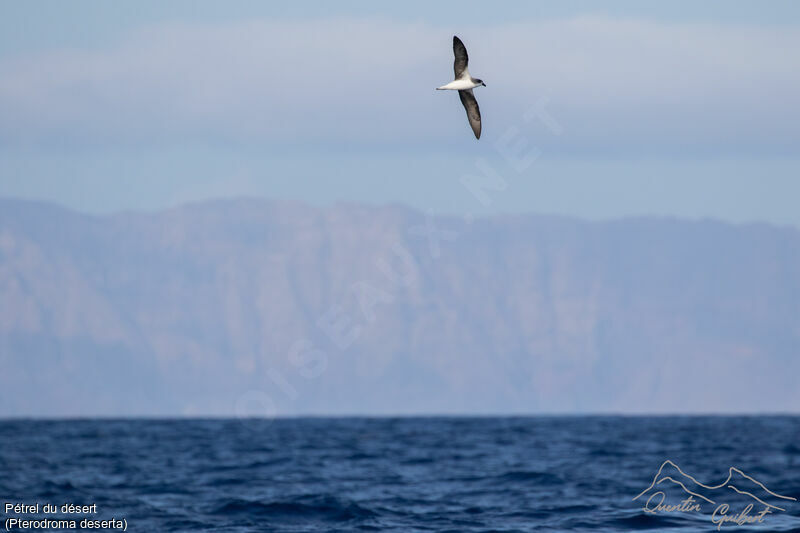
680,109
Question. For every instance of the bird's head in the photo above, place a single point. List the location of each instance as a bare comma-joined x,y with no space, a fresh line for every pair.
481,82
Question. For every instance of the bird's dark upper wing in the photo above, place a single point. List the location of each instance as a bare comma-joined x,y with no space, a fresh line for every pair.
460,51
473,111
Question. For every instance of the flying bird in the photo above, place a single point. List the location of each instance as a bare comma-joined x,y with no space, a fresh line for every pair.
464,83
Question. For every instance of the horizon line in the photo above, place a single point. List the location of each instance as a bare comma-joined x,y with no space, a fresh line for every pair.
384,416
469,217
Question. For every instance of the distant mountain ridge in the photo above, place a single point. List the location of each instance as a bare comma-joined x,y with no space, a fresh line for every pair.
248,305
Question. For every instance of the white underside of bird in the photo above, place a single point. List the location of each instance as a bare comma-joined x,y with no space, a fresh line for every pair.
461,84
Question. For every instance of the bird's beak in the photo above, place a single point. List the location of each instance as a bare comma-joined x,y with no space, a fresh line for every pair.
483,84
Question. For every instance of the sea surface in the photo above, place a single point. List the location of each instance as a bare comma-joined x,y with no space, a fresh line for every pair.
395,474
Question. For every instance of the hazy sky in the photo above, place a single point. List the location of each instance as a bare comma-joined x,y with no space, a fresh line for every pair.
591,109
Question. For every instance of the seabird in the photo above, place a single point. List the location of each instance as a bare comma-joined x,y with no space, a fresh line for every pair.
464,83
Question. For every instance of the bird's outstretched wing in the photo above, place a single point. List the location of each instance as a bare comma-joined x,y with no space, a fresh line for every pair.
460,51
473,111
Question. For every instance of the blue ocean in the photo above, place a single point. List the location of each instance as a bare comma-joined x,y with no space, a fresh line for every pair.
402,474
